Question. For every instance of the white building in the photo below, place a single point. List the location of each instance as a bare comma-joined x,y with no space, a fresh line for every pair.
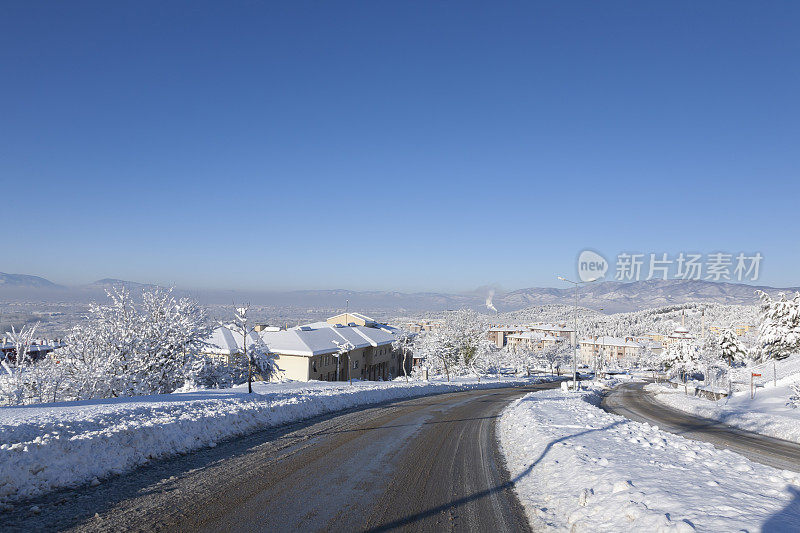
533,340
319,351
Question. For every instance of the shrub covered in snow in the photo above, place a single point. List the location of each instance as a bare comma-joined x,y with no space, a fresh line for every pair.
123,348
794,396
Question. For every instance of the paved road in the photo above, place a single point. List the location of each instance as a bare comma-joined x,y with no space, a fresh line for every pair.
630,400
429,464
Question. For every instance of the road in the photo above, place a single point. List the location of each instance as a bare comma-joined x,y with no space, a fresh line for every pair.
632,401
428,464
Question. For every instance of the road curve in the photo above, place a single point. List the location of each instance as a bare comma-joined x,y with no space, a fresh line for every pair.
428,464
632,401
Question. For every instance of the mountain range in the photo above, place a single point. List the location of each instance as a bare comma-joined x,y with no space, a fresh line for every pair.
608,296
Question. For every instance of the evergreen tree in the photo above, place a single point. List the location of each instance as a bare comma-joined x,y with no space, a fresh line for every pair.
779,333
731,349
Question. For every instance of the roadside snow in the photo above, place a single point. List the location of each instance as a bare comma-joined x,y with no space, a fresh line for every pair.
767,414
50,446
578,468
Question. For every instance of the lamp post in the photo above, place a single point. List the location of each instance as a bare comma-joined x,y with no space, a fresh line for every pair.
575,316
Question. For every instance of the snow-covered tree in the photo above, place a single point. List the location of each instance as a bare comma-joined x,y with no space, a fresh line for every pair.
649,359
456,344
779,332
683,359
256,355
520,358
730,347
403,343
794,396
15,382
124,349
555,356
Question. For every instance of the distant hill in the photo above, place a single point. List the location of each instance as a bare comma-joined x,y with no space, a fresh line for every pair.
112,282
25,281
610,296
613,296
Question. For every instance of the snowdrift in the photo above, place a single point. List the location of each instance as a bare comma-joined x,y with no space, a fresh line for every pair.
577,468
51,446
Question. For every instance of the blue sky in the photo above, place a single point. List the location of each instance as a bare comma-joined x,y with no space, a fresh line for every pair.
393,145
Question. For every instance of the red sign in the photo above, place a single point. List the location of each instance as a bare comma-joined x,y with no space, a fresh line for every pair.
756,375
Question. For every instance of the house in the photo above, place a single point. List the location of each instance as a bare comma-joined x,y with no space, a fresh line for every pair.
225,343
609,348
346,319
556,330
740,329
423,325
532,340
36,350
334,352
348,345
499,334
681,334
655,337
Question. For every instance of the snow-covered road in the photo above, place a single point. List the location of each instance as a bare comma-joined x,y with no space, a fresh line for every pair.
578,468
632,401
428,464
46,447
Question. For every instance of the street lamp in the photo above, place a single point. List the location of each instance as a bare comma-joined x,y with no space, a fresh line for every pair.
575,345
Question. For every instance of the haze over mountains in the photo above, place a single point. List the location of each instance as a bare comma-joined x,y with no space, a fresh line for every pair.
608,296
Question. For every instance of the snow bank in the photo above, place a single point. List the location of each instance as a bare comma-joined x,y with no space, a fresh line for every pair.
51,446
767,414
780,370
578,468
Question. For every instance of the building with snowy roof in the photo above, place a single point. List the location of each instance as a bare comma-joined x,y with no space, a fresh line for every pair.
498,335
533,340
321,353
318,351
36,350
557,330
610,348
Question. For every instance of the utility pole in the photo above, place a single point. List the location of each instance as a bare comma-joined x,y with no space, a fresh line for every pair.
575,343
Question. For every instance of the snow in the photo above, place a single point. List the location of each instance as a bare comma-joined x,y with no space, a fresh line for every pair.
314,341
766,414
50,446
578,468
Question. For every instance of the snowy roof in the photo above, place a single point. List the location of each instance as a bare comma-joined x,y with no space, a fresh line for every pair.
365,318
32,348
507,328
612,341
313,325
310,341
681,333
225,341
534,335
550,327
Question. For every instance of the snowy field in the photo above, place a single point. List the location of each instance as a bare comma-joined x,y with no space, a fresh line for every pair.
50,446
767,414
578,468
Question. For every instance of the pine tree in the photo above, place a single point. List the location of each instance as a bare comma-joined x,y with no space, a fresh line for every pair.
731,347
779,333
